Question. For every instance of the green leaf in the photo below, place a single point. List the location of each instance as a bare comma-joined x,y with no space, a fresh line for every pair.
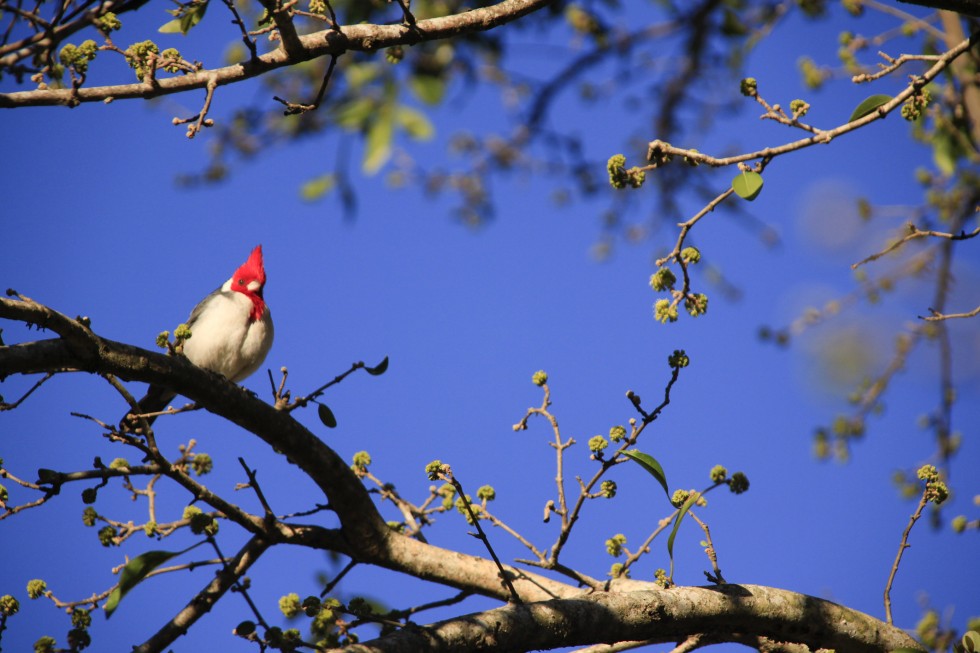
747,185
355,114
135,571
415,123
378,369
326,416
677,523
971,641
171,27
869,105
186,19
649,463
317,187
944,152
378,144
361,74
430,89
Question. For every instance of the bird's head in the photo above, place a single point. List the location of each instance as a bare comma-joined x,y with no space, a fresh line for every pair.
249,279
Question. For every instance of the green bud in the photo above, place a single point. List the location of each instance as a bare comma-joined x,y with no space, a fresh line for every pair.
81,618
614,545
663,279
616,167
311,605
119,464
446,490
679,497
162,339
394,54
202,464
678,359
691,255
660,576
361,460
663,312
539,378
608,489
936,492
635,177
927,473
486,493
150,528
138,55
461,504
696,304
89,516
9,606
799,108
749,87
107,535
323,621
959,523
617,433
289,605
171,57
78,639
45,644
617,571
203,524
36,588
738,483
597,443
108,22
182,333
813,76
718,474
433,469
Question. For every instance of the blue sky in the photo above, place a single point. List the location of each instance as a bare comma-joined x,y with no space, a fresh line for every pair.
93,224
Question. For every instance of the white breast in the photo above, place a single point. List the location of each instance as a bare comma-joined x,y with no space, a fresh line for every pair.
223,337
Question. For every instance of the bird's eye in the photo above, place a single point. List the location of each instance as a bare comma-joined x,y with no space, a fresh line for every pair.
241,282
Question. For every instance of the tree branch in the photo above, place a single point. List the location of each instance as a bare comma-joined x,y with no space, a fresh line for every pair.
367,38
657,616
204,600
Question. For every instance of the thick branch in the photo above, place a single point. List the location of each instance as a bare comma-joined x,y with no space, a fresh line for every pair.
657,616
333,42
202,603
81,349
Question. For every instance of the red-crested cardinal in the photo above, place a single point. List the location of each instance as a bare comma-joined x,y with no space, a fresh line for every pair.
231,333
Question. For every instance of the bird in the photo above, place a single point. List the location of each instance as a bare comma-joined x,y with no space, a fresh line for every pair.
231,334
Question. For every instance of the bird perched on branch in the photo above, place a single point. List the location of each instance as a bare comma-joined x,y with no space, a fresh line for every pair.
231,333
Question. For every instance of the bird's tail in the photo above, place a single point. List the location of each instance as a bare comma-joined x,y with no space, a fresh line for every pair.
156,399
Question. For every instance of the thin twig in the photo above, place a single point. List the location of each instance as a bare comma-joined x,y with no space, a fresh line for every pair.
914,233
447,475
5,406
898,557
339,577
937,316
253,482
237,20
292,108
710,551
